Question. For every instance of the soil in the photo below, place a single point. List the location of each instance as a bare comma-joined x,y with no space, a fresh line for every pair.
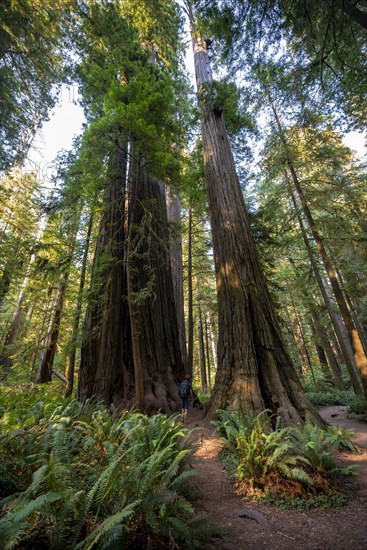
253,525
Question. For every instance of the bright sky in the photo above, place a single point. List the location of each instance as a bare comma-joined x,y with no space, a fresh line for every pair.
57,133
356,141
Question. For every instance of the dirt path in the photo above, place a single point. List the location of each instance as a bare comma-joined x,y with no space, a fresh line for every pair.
338,529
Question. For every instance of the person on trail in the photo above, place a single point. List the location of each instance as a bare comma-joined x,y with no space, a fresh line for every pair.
184,392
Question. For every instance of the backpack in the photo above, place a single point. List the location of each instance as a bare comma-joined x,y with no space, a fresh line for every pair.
184,389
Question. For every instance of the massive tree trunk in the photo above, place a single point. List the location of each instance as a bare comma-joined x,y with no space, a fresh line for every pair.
174,218
254,367
105,368
156,349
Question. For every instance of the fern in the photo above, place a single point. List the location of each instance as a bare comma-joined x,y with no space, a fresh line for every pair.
294,453
94,477
108,527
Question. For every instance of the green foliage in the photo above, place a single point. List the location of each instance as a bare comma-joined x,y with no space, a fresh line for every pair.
323,502
25,405
318,446
33,58
130,83
81,477
287,464
259,448
358,405
204,397
224,97
324,398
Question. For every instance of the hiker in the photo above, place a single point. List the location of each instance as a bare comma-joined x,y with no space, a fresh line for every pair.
184,392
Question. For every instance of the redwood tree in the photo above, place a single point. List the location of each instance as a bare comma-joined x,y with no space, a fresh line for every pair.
105,366
155,338
253,365
131,350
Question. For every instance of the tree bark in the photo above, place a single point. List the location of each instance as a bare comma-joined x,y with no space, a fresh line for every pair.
207,347
190,313
174,218
157,356
204,382
254,368
106,370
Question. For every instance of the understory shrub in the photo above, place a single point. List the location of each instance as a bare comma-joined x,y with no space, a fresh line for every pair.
78,477
358,405
329,397
203,396
292,463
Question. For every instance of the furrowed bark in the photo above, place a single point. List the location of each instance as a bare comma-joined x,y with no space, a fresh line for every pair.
254,368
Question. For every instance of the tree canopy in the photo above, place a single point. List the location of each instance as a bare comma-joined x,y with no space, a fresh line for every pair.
101,282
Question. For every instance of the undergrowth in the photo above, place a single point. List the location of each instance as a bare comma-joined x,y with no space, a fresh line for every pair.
326,397
292,466
203,396
78,477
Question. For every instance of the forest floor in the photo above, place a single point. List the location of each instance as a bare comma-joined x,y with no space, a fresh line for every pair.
338,528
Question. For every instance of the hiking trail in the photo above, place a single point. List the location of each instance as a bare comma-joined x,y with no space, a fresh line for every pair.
252,525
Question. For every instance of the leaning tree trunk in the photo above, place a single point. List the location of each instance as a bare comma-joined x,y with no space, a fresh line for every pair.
12,334
352,310
156,349
48,354
4,284
254,367
338,325
360,356
105,365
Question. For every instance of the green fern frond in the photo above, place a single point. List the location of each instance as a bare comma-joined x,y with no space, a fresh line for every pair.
41,504
11,532
108,525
